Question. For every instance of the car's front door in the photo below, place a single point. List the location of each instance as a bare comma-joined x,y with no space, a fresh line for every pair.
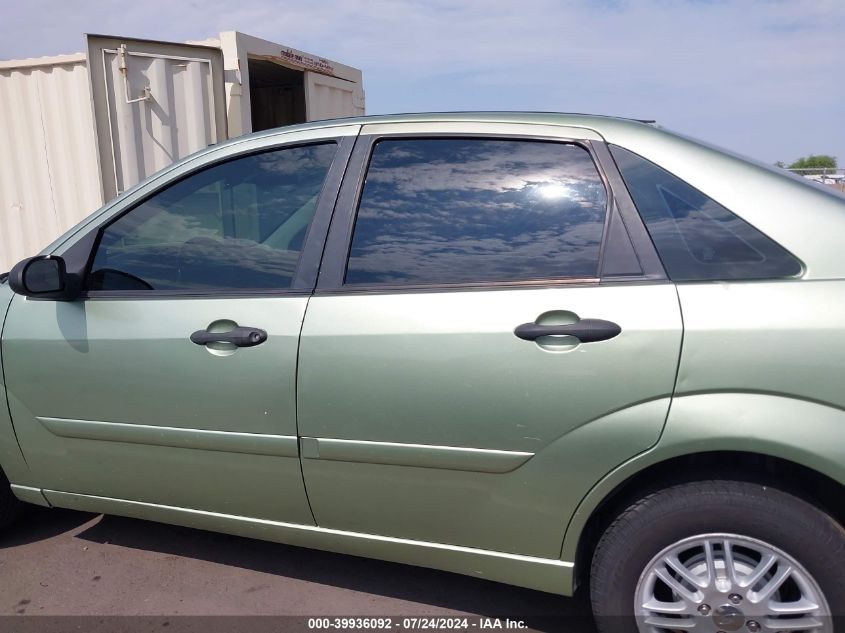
443,394
133,391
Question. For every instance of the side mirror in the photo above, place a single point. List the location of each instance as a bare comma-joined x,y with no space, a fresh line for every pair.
44,277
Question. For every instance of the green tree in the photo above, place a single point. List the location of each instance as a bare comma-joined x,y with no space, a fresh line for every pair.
814,163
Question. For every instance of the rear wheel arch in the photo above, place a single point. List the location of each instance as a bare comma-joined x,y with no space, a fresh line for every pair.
718,548
818,489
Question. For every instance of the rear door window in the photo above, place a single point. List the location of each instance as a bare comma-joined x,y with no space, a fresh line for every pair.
697,238
455,211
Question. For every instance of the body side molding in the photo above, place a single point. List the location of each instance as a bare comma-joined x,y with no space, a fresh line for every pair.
225,441
30,495
478,460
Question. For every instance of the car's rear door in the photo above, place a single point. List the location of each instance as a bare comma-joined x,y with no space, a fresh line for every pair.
436,401
132,392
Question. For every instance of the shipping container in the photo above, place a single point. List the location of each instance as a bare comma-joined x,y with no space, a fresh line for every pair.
77,130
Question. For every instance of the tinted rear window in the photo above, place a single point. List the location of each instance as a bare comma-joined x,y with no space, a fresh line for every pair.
445,211
697,238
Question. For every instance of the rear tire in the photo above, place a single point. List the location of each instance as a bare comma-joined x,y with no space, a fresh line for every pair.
10,505
723,534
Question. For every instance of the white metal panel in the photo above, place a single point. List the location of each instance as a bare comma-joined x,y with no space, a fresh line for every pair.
58,155
49,171
154,103
55,60
331,98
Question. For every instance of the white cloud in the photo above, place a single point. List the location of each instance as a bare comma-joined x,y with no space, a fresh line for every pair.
760,76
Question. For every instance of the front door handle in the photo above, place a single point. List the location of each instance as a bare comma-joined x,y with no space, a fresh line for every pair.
585,330
239,337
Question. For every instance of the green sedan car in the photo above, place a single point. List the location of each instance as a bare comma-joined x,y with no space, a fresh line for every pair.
557,351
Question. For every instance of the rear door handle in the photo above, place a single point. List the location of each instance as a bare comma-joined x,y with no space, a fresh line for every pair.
585,330
239,337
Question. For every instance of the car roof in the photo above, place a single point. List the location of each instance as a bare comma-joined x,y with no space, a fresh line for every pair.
596,122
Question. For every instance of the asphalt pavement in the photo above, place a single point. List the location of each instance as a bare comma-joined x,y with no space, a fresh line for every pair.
62,565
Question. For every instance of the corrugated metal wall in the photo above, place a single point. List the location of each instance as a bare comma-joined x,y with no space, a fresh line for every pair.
49,172
73,134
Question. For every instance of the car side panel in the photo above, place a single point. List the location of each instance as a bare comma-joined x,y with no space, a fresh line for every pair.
779,337
761,371
11,459
111,398
806,433
426,373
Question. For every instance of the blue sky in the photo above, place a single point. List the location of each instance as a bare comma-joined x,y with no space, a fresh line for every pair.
761,77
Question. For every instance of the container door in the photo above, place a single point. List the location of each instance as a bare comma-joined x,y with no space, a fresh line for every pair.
331,98
154,103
